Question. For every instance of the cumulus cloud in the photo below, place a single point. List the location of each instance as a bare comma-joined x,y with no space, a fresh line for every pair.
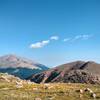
40,44
43,43
54,38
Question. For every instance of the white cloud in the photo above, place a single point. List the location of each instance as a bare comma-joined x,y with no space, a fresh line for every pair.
54,38
78,37
43,43
70,39
83,37
86,36
67,39
40,44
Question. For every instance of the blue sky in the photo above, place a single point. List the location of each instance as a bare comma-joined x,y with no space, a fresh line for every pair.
51,32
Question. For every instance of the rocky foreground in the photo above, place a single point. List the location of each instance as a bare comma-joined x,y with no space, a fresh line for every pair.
13,88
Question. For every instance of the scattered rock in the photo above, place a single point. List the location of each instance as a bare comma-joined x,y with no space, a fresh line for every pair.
51,87
89,90
35,89
93,95
30,83
37,99
81,91
5,78
81,95
19,84
46,84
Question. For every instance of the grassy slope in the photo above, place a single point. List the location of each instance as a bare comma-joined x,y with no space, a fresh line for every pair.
9,91
54,91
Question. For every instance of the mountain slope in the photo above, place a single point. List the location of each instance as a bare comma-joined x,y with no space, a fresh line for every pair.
75,72
19,66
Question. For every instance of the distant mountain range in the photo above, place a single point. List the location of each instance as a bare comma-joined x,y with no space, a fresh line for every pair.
19,66
75,72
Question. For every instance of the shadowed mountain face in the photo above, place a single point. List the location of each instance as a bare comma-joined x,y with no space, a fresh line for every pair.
75,72
19,66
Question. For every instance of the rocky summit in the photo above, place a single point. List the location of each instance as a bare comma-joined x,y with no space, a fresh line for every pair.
75,72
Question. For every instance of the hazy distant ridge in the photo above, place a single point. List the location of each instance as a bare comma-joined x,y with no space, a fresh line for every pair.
20,66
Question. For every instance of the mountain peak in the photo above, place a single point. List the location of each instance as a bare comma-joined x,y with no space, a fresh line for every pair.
10,57
19,66
13,60
76,72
